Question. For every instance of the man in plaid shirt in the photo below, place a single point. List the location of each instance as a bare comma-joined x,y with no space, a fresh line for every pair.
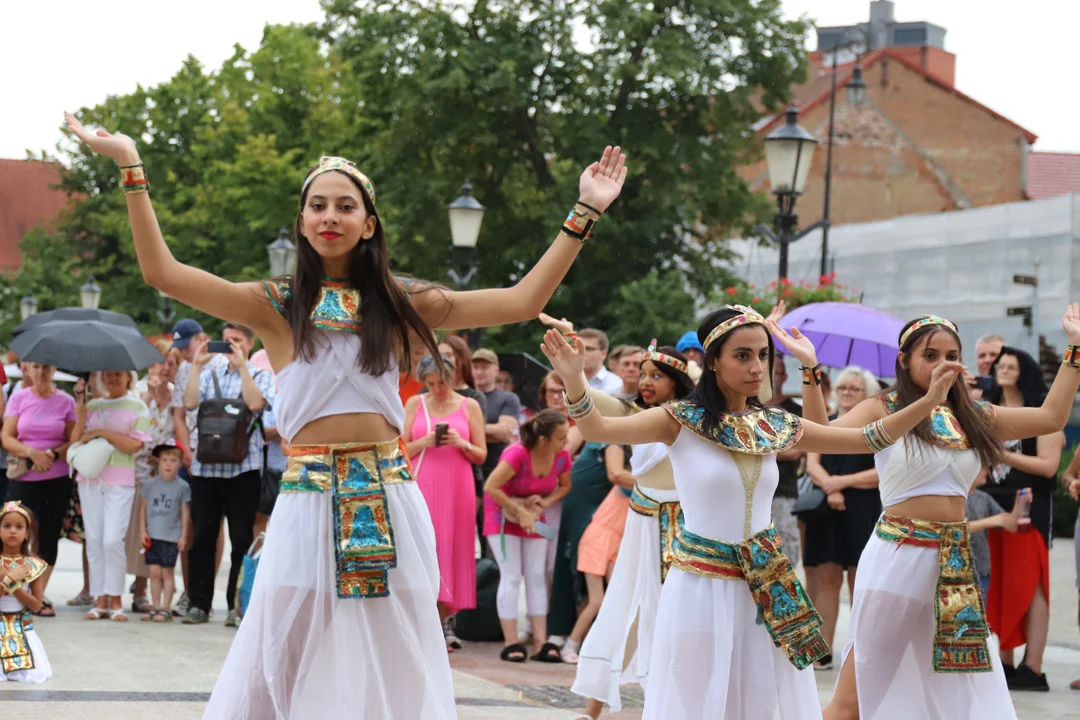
231,489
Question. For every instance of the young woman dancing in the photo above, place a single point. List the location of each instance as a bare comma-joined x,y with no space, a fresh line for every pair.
734,627
343,617
918,643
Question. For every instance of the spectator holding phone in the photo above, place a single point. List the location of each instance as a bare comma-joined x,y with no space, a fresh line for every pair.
987,349
531,475
444,436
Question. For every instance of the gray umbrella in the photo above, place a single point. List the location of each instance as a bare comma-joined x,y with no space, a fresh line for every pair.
86,345
76,314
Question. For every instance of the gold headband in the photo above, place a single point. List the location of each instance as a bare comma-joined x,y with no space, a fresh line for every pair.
327,163
925,321
659,357
15,506
746,316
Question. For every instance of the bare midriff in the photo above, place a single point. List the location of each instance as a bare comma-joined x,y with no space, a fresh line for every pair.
934,508
351,428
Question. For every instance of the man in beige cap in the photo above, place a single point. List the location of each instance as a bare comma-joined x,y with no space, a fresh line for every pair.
503,409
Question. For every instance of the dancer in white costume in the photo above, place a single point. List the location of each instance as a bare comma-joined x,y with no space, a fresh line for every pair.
735,631
619,643
22,589
918,643
342,621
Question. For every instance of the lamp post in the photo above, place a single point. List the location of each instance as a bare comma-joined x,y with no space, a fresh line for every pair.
90,294
282,254
465,215
166,314
856,94
28,305
789,152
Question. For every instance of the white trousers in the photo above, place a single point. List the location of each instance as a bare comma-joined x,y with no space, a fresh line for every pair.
106,511
524,557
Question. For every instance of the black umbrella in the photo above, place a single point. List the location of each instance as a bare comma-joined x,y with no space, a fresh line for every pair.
75,314
86,345
528,373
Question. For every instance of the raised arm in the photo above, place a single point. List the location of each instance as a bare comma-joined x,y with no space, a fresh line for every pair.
814,408
243,303
833,440
599,186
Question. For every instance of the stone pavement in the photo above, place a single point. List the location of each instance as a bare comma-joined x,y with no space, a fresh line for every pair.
112,671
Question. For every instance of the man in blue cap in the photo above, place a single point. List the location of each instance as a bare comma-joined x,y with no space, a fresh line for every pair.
690,347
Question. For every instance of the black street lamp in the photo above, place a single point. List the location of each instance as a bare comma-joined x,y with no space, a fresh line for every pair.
282,254
856,94
789,152
465,214
90,294
166,314
28,305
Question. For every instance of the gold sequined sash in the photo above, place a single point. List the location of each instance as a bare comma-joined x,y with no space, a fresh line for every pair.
14,649
783,606
960,638
356,474
668,515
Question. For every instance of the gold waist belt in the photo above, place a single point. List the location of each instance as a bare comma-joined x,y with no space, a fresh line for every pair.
669,515
960,638
783,606
356,474
14,649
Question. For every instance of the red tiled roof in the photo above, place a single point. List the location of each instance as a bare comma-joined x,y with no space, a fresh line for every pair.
816,91
27,199
1052,174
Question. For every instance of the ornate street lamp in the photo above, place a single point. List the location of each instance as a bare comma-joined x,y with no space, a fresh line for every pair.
466,214
28,305
856,87
90,294
282,254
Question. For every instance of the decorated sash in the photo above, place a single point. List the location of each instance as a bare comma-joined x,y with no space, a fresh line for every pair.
356,474
758,431
14,649
960,638
668,515
783,606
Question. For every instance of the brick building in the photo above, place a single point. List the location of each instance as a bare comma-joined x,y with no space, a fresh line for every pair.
28,198
917,145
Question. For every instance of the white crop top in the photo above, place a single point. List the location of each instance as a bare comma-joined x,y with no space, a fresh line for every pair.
333,384
924,470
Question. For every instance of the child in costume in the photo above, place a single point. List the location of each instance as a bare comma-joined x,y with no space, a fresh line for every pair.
22,656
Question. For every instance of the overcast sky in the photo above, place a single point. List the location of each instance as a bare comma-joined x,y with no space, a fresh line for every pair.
75,54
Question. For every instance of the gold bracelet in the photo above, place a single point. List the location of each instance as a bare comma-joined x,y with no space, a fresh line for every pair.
581,221
10,586
133,179
1072,357
811,376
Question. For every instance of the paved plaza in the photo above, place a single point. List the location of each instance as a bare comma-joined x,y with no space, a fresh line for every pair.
112,671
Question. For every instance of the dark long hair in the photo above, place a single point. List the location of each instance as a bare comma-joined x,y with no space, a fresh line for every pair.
683,384
707,394
386,313
542,424
463,358
976,426
1031,383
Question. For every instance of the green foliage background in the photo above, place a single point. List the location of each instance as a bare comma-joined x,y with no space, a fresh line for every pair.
517,96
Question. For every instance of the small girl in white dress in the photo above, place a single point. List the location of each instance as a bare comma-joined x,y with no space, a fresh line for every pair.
22,656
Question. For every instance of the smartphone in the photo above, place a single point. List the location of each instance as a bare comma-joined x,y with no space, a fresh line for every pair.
219,346
984,382
544,530
440,433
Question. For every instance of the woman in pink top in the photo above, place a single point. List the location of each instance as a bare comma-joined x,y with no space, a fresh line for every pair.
38,427
442,462
530,476
123,420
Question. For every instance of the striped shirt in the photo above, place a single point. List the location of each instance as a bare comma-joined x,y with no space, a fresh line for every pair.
129,416
231,388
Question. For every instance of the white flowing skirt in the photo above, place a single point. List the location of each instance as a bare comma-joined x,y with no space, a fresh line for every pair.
302,652
891,635
42,670
711,660
632,597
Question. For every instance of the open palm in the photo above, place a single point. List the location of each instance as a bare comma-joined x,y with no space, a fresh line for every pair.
1070,322
119,147
602,181
566,360
797,344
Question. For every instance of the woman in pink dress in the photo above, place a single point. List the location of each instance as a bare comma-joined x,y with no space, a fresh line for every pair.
442,462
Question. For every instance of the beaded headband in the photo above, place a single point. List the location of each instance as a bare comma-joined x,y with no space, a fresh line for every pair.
923,322
327,163
15,506
659,357
746,316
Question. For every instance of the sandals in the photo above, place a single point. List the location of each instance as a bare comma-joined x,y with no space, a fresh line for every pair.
548,654
141,604
119,615
46,609
514,653
160,616
96,613
81,600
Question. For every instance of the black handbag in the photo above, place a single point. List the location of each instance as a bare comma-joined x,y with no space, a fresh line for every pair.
812,503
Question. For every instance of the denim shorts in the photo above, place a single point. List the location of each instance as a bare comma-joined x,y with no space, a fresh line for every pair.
163,553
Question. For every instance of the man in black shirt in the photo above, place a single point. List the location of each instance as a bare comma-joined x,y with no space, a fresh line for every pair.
790,464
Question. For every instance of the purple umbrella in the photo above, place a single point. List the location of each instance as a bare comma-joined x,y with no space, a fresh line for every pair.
848,334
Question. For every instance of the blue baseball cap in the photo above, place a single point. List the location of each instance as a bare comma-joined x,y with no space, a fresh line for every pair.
183,331
689,341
